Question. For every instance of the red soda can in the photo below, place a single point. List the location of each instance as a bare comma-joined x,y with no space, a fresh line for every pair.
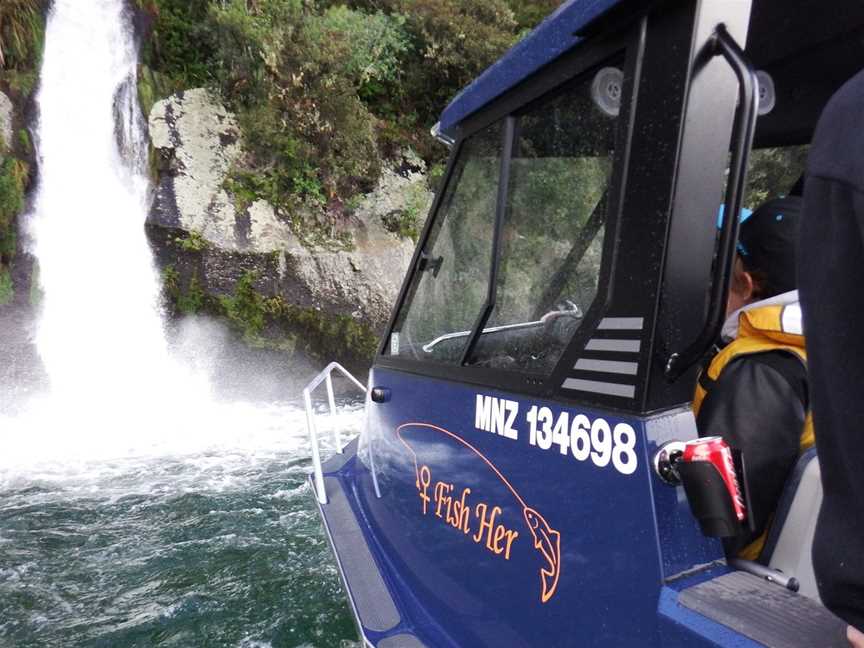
717,451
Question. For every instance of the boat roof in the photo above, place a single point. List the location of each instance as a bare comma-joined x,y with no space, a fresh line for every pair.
552,38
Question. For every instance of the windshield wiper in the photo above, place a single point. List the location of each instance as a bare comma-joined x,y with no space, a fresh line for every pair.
571,310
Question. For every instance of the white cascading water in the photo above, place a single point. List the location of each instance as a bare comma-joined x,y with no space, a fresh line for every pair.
101,339
101,332
114,388
115,391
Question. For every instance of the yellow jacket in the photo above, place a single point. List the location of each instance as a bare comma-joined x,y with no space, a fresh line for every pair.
772,327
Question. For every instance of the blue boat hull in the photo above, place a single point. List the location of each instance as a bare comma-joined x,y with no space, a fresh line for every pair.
485,538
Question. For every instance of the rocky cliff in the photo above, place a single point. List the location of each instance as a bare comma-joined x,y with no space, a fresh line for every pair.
282,278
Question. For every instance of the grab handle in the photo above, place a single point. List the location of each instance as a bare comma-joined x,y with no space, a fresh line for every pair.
722,44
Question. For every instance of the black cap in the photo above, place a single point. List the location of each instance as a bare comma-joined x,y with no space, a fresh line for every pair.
767,243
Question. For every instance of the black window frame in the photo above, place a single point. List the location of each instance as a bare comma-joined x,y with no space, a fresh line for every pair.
563,72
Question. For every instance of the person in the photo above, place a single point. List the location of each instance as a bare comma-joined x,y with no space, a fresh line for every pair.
832,297
754,392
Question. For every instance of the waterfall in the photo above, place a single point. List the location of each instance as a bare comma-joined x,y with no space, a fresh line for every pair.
101,337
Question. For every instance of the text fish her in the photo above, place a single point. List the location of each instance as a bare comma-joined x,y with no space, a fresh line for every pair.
481,521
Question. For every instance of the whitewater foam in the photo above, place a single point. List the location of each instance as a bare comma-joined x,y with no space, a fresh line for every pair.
115,389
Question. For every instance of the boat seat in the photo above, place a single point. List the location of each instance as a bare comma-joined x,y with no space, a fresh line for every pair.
790,539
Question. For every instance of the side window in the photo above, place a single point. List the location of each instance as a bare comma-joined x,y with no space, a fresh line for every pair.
450,284
773,172
552,234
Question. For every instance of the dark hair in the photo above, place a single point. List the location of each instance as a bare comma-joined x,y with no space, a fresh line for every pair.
759,278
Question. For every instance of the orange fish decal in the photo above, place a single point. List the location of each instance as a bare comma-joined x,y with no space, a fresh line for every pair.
547,541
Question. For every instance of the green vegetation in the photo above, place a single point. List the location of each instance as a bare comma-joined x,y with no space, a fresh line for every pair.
271,322
327,92
7,290
24,144
194,241
406,222
325,335
773,172
14,176
8,242
13,182
188,301
21,33
245,309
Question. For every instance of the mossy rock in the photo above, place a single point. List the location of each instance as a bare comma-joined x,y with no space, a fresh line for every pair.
272,323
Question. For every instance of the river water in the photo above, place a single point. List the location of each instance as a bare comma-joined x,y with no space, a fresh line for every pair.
136,507
220,547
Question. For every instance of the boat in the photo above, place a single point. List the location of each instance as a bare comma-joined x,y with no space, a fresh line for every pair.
515,480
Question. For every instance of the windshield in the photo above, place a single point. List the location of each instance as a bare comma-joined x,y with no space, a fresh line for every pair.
550,248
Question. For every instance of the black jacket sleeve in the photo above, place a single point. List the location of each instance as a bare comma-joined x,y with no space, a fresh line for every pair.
758,405
831,283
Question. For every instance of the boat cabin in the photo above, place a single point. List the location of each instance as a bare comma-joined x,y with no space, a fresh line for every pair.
510,486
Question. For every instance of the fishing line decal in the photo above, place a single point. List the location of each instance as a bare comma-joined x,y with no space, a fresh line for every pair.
482,521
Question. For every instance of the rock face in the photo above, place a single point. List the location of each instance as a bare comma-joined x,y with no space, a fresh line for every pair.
196,141
365,281
5,122
197,227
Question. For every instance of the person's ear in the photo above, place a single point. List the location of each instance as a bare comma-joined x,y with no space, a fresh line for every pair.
748,287
741,288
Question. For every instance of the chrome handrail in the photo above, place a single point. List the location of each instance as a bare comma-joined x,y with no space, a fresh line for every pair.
326,377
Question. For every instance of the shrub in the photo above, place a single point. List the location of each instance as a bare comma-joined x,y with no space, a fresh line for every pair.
773,172
245,309
279,162
21,33
24,143
180,45
529,13
188,301
13,183
455,40
193,241
374,46
247,41
8,243
7,289
406,222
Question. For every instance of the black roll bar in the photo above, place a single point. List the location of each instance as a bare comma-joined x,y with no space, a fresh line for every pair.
722,44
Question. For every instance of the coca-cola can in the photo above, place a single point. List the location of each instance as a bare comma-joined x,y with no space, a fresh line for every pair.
717,451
